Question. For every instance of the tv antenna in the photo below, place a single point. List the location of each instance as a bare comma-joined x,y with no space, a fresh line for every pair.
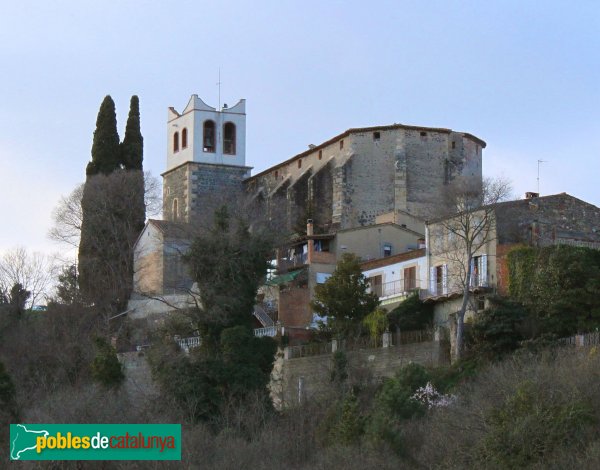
538,174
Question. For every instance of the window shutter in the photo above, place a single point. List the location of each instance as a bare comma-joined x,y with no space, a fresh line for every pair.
483,271
432,281
445,279
472,277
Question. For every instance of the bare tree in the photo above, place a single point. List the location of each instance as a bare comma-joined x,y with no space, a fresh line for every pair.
67,215
466,224
34,271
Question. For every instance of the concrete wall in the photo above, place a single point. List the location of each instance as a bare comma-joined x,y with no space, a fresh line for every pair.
192,118
314,372
148,262
368,242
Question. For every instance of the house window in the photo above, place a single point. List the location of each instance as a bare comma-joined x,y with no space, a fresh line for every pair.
184,138
320,154
410,278
438,279
276,174
479,271
299,163
322,277
376,285
175,209
229,138
453,144
423,134
341,144
387,249
176,142
376,136
209,136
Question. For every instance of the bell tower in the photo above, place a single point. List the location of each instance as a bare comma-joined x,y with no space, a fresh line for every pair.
206,159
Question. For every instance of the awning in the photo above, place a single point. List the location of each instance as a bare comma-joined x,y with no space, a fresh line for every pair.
284,278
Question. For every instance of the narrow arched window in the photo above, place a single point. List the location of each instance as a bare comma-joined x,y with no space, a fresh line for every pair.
209,136
176,142
175,209
229,138
184,138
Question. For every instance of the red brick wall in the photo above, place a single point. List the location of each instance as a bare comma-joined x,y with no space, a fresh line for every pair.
294,308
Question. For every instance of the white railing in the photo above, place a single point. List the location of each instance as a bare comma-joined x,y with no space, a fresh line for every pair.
263,317
271,331
189,343
398,287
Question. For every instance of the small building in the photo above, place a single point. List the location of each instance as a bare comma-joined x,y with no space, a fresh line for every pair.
533,221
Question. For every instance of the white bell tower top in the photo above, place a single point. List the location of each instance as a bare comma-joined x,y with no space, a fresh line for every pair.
206,135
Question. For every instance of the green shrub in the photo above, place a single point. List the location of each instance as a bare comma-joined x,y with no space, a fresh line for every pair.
495,331
106,368
412,314
529,425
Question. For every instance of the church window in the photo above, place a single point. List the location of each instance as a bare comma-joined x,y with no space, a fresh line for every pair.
299,163
209,136
376,136
341,144
184,138
175,209
229,138
176,142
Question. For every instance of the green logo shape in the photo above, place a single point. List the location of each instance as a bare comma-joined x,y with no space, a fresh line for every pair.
95,442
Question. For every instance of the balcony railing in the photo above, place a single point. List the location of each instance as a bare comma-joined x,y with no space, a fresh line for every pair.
395,288
295,261
189,343
271,331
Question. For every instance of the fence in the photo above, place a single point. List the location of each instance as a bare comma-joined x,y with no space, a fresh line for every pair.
354,344
587,339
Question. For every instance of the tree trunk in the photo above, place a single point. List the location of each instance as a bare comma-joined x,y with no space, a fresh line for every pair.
460,316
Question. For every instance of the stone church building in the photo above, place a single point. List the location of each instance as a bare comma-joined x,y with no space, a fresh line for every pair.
360,178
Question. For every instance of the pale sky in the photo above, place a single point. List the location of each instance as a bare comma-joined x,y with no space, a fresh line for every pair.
522,75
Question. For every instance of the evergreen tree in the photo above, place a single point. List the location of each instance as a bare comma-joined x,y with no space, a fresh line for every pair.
105,148
132,148
132,156
113,210
344,298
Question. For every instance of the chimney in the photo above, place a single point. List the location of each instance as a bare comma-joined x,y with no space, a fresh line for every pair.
311,243
531,195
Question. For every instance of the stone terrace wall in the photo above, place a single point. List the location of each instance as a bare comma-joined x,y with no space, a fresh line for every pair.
307,378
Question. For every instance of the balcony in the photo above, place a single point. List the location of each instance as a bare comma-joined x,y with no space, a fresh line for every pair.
292,262
392,291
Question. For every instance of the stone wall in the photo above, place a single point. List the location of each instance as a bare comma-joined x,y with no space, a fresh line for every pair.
375,171
307,378
200,188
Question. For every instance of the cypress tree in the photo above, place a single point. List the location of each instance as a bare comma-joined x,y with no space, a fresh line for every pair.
132,156
105,148
132,148
113,210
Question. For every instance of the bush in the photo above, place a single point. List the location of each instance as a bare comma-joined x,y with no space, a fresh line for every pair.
495,331
529,425
106,368
412,314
